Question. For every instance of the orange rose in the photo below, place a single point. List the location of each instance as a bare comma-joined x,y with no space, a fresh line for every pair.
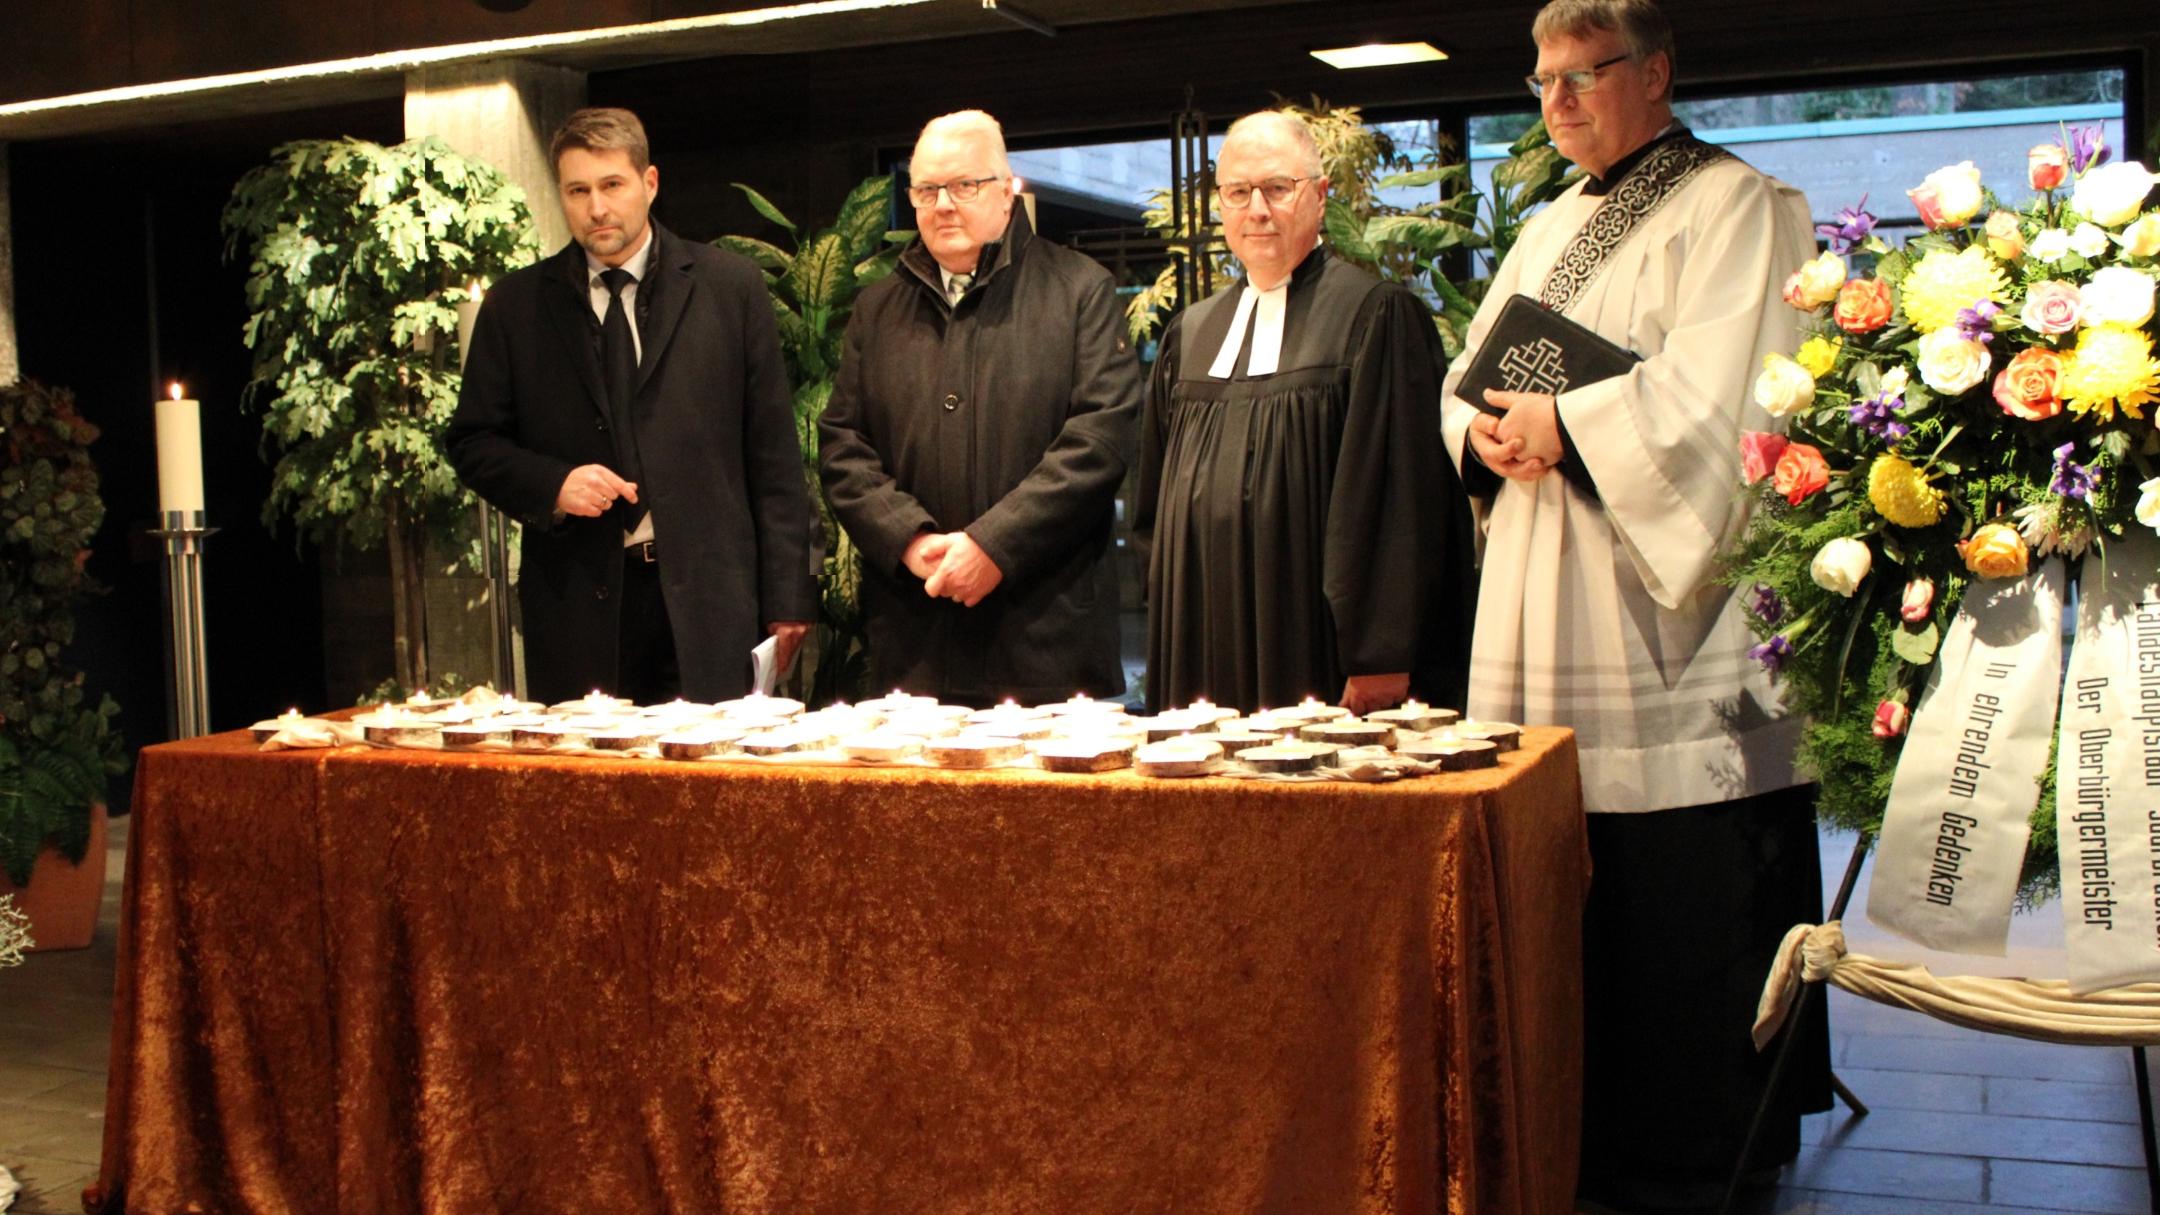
1800,471
1995,551
2027,387
2047,165
1863,305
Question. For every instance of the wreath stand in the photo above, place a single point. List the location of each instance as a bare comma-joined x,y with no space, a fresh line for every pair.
2042,1010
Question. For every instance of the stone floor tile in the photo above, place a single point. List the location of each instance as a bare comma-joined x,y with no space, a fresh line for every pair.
1888,1174
1988,1055
2069,1187
2071,1099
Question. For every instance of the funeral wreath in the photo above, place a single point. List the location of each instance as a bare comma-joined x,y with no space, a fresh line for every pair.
1971,410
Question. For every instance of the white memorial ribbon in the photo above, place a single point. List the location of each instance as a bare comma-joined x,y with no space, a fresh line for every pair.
1954,832
2107,771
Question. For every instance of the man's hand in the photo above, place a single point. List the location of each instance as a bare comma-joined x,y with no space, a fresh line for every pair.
965,574
1362,694
791,634
1501,449
1533,419
590,490
924,552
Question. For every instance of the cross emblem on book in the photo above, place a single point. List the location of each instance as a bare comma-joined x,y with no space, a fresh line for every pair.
1534,366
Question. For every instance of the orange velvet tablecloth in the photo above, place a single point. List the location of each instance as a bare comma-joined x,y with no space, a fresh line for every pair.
380,982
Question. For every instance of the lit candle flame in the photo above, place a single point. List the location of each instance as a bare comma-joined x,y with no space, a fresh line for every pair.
175,390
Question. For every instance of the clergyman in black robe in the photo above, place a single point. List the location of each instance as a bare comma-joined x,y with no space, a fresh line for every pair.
1307,536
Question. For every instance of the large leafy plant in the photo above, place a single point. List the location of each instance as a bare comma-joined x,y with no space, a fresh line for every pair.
57,751
358,256
813,290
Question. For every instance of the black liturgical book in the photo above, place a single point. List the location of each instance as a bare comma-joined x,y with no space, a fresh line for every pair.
1534,349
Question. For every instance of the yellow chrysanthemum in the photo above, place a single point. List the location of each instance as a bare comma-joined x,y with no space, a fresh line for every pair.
1902,493
1944,284
1818,355
2112,366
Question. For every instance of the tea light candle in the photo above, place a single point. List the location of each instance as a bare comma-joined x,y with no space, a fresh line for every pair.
179,451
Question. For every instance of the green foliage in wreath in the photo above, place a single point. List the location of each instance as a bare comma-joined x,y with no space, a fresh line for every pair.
57,751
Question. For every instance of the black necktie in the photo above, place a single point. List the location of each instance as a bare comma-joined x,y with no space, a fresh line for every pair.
618,371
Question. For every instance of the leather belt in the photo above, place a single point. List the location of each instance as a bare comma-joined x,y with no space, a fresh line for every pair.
641,551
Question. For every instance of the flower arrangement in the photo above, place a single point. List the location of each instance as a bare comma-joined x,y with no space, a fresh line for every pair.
1962,407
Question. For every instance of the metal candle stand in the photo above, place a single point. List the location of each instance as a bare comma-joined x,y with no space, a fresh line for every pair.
183,534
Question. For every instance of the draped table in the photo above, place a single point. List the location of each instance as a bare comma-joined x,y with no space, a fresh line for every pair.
378,982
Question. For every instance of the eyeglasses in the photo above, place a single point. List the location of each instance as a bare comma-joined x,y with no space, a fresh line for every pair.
962,190
1578,81
1237,195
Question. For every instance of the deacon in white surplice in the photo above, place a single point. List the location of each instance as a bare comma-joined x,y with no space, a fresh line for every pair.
1608,508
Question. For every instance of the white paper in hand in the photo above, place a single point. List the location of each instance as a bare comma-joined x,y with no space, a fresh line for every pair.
765,665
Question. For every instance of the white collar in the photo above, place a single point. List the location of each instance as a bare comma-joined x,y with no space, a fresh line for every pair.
1267,332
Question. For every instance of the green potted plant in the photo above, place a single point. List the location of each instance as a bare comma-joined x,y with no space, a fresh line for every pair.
57,750
358,257
813,292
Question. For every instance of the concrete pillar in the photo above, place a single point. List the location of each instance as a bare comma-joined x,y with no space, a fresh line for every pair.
10,357
501,111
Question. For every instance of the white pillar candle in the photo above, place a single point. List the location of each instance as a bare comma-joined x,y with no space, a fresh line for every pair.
179,449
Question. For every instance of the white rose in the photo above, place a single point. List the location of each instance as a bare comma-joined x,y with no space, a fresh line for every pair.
2148,507
2113,195
1784,386
2052,245
2141,239
2088,241
1949,364
1822,279
1957,191
2118,295
1840,565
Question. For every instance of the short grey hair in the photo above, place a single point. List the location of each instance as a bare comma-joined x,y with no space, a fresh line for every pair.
967,124
1289,124
1640,24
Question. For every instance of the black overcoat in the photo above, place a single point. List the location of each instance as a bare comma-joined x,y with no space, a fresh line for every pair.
723,473
1010,416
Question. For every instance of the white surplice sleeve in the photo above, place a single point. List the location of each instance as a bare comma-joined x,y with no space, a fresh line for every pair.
1662,441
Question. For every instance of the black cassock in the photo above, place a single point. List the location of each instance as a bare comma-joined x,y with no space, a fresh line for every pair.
1304,525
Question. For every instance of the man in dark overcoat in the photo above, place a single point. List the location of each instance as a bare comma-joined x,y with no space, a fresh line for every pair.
976,439
625,401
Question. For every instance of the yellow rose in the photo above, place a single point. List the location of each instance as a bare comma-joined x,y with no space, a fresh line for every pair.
2111,195
2003,237
1957,193
1995,551
2142,239
1817,355
1821,279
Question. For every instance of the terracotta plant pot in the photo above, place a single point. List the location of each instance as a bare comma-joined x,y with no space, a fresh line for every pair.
62,899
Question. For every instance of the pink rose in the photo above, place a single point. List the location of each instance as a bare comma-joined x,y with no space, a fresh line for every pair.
1929,201
1891,718
1759,452
2046,166
1919,600
2052,307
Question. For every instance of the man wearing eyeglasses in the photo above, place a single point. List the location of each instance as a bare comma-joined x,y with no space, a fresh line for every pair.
1610,503
1306,534
975,441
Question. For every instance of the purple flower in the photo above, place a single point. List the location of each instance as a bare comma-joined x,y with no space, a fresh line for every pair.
1877,416
1772,653
2072,480
1851,226
1977,323
2087,147
1764,602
